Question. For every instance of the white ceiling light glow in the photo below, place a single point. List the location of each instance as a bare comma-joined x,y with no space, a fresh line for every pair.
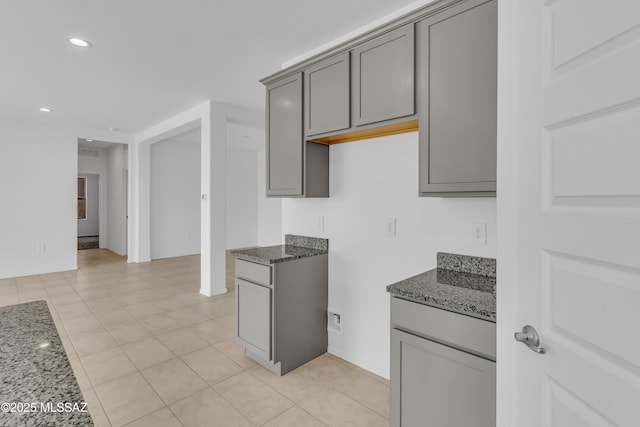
79,42
46,110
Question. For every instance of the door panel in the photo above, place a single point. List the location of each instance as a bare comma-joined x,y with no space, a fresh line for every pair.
253,311
383,77
432,382
326,91
574,262
284,137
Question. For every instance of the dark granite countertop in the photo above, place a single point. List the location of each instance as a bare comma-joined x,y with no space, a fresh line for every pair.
454,288
295,247
36,371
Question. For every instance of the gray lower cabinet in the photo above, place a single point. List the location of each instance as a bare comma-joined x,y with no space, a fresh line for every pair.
281,311
383,77
294,167
441,374
326,94
254,317
457,80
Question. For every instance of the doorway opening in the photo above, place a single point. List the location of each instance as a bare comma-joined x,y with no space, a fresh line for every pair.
102,195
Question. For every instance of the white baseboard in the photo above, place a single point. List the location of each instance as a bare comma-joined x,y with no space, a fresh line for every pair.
382,372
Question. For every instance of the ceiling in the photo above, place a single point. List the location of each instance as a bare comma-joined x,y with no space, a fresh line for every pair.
152,59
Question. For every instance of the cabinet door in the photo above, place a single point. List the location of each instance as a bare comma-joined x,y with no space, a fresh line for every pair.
435,385
253,317
383,77
457,54
284,137
326,90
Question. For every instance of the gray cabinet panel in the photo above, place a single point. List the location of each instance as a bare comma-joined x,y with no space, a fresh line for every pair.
383,77
253,272
284,325
435,385
253,317
457,60
469,333
326,92
284,137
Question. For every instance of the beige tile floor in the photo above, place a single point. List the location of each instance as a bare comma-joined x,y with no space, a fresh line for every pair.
149,350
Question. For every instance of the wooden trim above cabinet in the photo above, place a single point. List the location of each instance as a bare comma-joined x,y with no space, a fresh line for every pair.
376,132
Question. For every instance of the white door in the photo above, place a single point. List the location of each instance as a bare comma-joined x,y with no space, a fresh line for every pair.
569,212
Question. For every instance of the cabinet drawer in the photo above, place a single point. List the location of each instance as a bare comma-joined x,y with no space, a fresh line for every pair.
254,272
456,330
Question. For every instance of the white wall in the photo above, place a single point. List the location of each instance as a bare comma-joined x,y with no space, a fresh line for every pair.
175,198
370,181
242,198
38,196
269,208
89,226
117,159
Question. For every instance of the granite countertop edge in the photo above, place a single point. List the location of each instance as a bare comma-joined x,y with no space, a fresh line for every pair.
37,369
446,304
474,295
276,254
295,247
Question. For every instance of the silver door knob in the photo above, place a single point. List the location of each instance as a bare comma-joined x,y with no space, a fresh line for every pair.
529,337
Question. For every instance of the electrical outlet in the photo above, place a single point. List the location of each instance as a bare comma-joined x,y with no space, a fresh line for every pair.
320,222
390,227
334,322
41,247
478,232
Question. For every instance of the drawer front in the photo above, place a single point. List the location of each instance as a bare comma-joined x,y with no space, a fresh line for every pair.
254,272
456,330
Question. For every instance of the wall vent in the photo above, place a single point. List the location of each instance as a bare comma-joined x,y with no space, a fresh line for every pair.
87,152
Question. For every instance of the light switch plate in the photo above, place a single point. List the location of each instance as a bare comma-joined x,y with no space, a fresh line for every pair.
320,222
390,227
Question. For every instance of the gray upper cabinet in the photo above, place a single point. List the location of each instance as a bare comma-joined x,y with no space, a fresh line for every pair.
457,78
326,93
294,167
284,137
383,77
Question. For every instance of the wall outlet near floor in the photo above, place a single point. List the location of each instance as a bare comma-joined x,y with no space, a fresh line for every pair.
478,232
320,222
390,227
334,322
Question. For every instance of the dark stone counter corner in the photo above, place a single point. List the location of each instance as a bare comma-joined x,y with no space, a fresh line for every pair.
295,247
35,369
460,283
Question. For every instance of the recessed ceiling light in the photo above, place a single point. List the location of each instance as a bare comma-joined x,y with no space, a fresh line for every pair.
112,129
79,42
89,140
46,110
